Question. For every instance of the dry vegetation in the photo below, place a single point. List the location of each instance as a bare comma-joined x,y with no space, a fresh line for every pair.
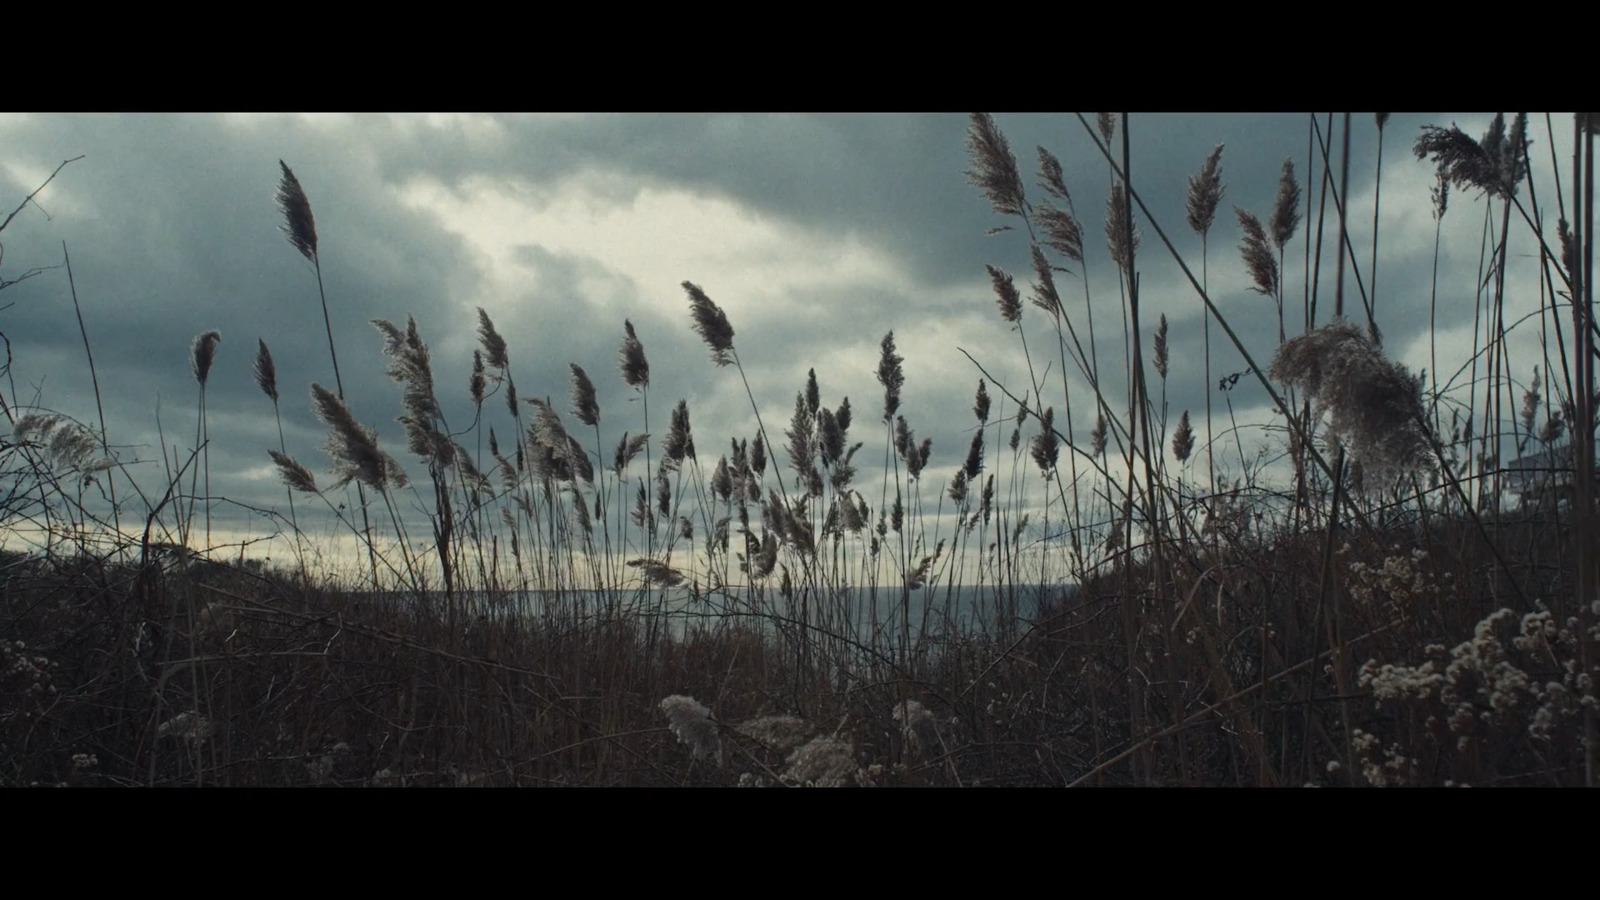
1147,607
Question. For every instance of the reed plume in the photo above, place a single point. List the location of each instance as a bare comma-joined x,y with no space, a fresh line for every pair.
994,168
584,405
1257,254
1494,165
1205,193
1061,228
494,346
266,374
627,449
1107,123
1183,438
980,404
1160,341
1117,228
711,324
299,226
1286,210
296,476
1007,298
679,443
1375,405
1046,447
202,352
631,359
353,447
891,376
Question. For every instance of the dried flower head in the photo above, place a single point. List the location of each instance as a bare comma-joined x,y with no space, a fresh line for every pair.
1440,193
1006,294
980,405
635,368
1257,254
1183,439
295,475
1205,193
201,354
711,324
354,448
1160,341
298,224
477,382
584,405
265,372
1117,229
891,376
1495,164
1286,210
1107,123
1097,435
1375,405
692,723
994,168
494,346
1046,447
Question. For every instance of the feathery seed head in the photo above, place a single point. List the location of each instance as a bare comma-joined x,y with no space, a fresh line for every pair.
353,447
1117,229
994,168
980,405
1107,123
494,346
584,404
1006,295
298,223
1044,289
711,324
1257,254
201,354
295,475
477,383
265,372
1440,194
1046,447
890,375
1161,347
1205,193
1286,211
1183,439
1375,405
635,368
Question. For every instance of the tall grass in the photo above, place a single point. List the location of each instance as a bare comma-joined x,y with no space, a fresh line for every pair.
1358,600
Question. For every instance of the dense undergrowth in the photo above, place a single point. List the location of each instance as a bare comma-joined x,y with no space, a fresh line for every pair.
1370,596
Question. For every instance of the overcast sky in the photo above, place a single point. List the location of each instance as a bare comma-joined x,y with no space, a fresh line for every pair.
815,233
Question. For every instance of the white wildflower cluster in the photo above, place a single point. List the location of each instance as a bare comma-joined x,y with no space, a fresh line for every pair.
1392,769
1485,683
824,761
917,728
190,727
781,734
1397,586
26,681
692,723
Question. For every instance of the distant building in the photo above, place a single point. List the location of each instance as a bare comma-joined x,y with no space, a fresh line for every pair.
1546,477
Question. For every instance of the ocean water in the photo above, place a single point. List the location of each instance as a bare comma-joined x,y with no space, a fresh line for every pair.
862,614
